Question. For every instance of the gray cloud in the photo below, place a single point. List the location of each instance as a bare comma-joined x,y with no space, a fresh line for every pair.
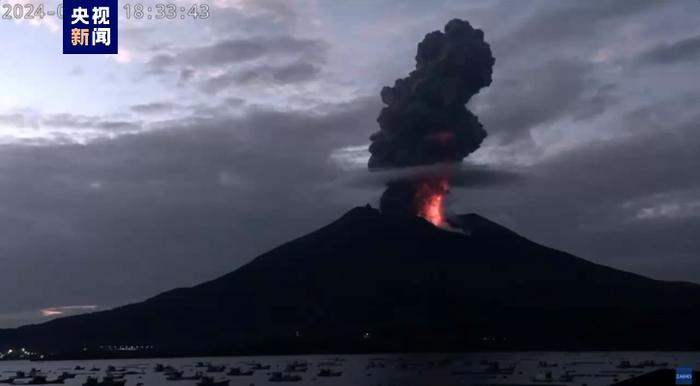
241,50
144,213
264,74
154,107
289,73
275,59
591,201
684,50
523,99
16,120
65,120
569,26
461,175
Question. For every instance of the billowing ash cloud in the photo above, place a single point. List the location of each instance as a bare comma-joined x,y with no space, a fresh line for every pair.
425,120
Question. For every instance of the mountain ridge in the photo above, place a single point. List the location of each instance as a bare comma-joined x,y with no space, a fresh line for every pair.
408,284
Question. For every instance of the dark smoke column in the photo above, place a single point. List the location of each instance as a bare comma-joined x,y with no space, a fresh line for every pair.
425,120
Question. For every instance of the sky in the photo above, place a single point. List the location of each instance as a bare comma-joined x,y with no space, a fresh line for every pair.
204,143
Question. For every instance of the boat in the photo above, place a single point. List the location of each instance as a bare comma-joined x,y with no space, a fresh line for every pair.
495,368
543,377
640,365
296,367
566,378
67,375
91,381
329,364
106,381
209,381
236,371
216,369
178,376
41,380
259,366
112,381
375,365
169,369
277,376
329,373
174,376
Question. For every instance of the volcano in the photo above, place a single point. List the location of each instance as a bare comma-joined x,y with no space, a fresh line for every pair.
374,281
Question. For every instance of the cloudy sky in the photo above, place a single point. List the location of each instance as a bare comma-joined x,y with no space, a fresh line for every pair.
206,142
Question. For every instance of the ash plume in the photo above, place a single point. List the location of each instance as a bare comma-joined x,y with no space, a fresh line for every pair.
425,120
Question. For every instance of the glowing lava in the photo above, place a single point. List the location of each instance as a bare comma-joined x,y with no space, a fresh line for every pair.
429,199
418,196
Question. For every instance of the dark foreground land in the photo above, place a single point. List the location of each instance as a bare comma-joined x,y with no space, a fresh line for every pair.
662,377
374,282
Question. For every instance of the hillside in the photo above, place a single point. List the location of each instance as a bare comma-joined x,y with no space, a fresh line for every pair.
371,281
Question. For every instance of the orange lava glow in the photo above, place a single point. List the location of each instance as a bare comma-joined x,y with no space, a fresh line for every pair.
430,198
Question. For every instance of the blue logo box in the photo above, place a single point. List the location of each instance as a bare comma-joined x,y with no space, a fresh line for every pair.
684,376
90,27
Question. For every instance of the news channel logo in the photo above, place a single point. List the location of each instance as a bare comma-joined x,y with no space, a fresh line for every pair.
684,376
90,27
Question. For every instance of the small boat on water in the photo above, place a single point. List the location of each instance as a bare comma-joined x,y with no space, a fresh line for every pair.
106,381
640,365
216,369
566,378
375,365
67,375
329,373
209,381
112,381
329,364
41,380
178,376
543,377
277,376
91,381
169,369
174,376
296,367
237,372
258,366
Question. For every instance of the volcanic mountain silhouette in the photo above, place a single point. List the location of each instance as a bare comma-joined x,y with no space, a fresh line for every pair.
372,281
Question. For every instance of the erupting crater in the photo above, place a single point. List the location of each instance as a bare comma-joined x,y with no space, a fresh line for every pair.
419,196
429,200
